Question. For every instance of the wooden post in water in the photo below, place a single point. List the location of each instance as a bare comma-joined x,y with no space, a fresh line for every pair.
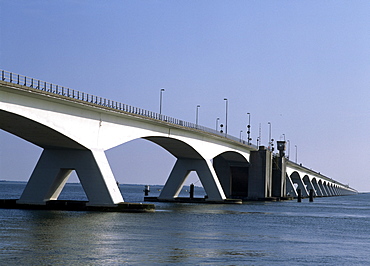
146,190
299,192
311,195
191,191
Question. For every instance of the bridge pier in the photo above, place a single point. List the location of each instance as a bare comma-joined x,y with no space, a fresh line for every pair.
182,169
279,186
260,174
54,168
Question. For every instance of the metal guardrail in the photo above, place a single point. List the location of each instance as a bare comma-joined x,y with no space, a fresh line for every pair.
74,94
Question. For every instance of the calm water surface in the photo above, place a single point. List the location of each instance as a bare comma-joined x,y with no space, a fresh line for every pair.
329,231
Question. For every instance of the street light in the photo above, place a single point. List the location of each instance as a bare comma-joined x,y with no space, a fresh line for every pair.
218,119
225,99
160,101
240,136
197,114
296,153
288,148
270,139
249,127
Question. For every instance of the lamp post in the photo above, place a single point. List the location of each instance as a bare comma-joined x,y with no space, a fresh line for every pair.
160,101
296,153
227,102
240,135
249,128
217,119
269,135
288,148
197,115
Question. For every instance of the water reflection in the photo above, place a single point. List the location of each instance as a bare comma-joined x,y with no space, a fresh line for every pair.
277,233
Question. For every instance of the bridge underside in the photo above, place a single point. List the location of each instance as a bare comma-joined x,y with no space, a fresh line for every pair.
188,160
36,133
233,172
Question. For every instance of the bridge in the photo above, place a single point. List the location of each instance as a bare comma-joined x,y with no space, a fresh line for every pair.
76,128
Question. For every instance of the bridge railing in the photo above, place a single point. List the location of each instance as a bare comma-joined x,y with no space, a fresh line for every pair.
71,93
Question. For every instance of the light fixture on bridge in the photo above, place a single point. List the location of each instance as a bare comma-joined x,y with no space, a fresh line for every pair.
281,147
227,103
160,101
271,140
249,128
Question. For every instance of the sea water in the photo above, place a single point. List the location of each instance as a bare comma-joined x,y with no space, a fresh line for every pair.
328,231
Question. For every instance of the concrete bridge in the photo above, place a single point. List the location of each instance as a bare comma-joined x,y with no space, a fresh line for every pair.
75,129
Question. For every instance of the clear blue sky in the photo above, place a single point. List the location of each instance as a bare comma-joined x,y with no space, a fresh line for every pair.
304,66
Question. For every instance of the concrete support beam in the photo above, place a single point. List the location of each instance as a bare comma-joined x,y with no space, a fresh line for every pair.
54,167
279,177
206,174
260,174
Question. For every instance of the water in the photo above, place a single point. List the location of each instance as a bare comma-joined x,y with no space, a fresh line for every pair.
329,231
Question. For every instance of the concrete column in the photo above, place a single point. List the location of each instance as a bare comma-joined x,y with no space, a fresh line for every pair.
55,166
260,174
206,173
279,177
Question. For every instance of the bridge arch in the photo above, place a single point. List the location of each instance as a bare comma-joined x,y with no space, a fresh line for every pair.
36,132
317,188
298,183
176,147
308,182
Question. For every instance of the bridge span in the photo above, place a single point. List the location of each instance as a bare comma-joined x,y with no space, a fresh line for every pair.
75,129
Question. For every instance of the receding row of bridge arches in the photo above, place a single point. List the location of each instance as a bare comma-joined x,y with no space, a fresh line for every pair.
321,187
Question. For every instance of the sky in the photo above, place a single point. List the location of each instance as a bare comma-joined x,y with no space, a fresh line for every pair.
303,66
